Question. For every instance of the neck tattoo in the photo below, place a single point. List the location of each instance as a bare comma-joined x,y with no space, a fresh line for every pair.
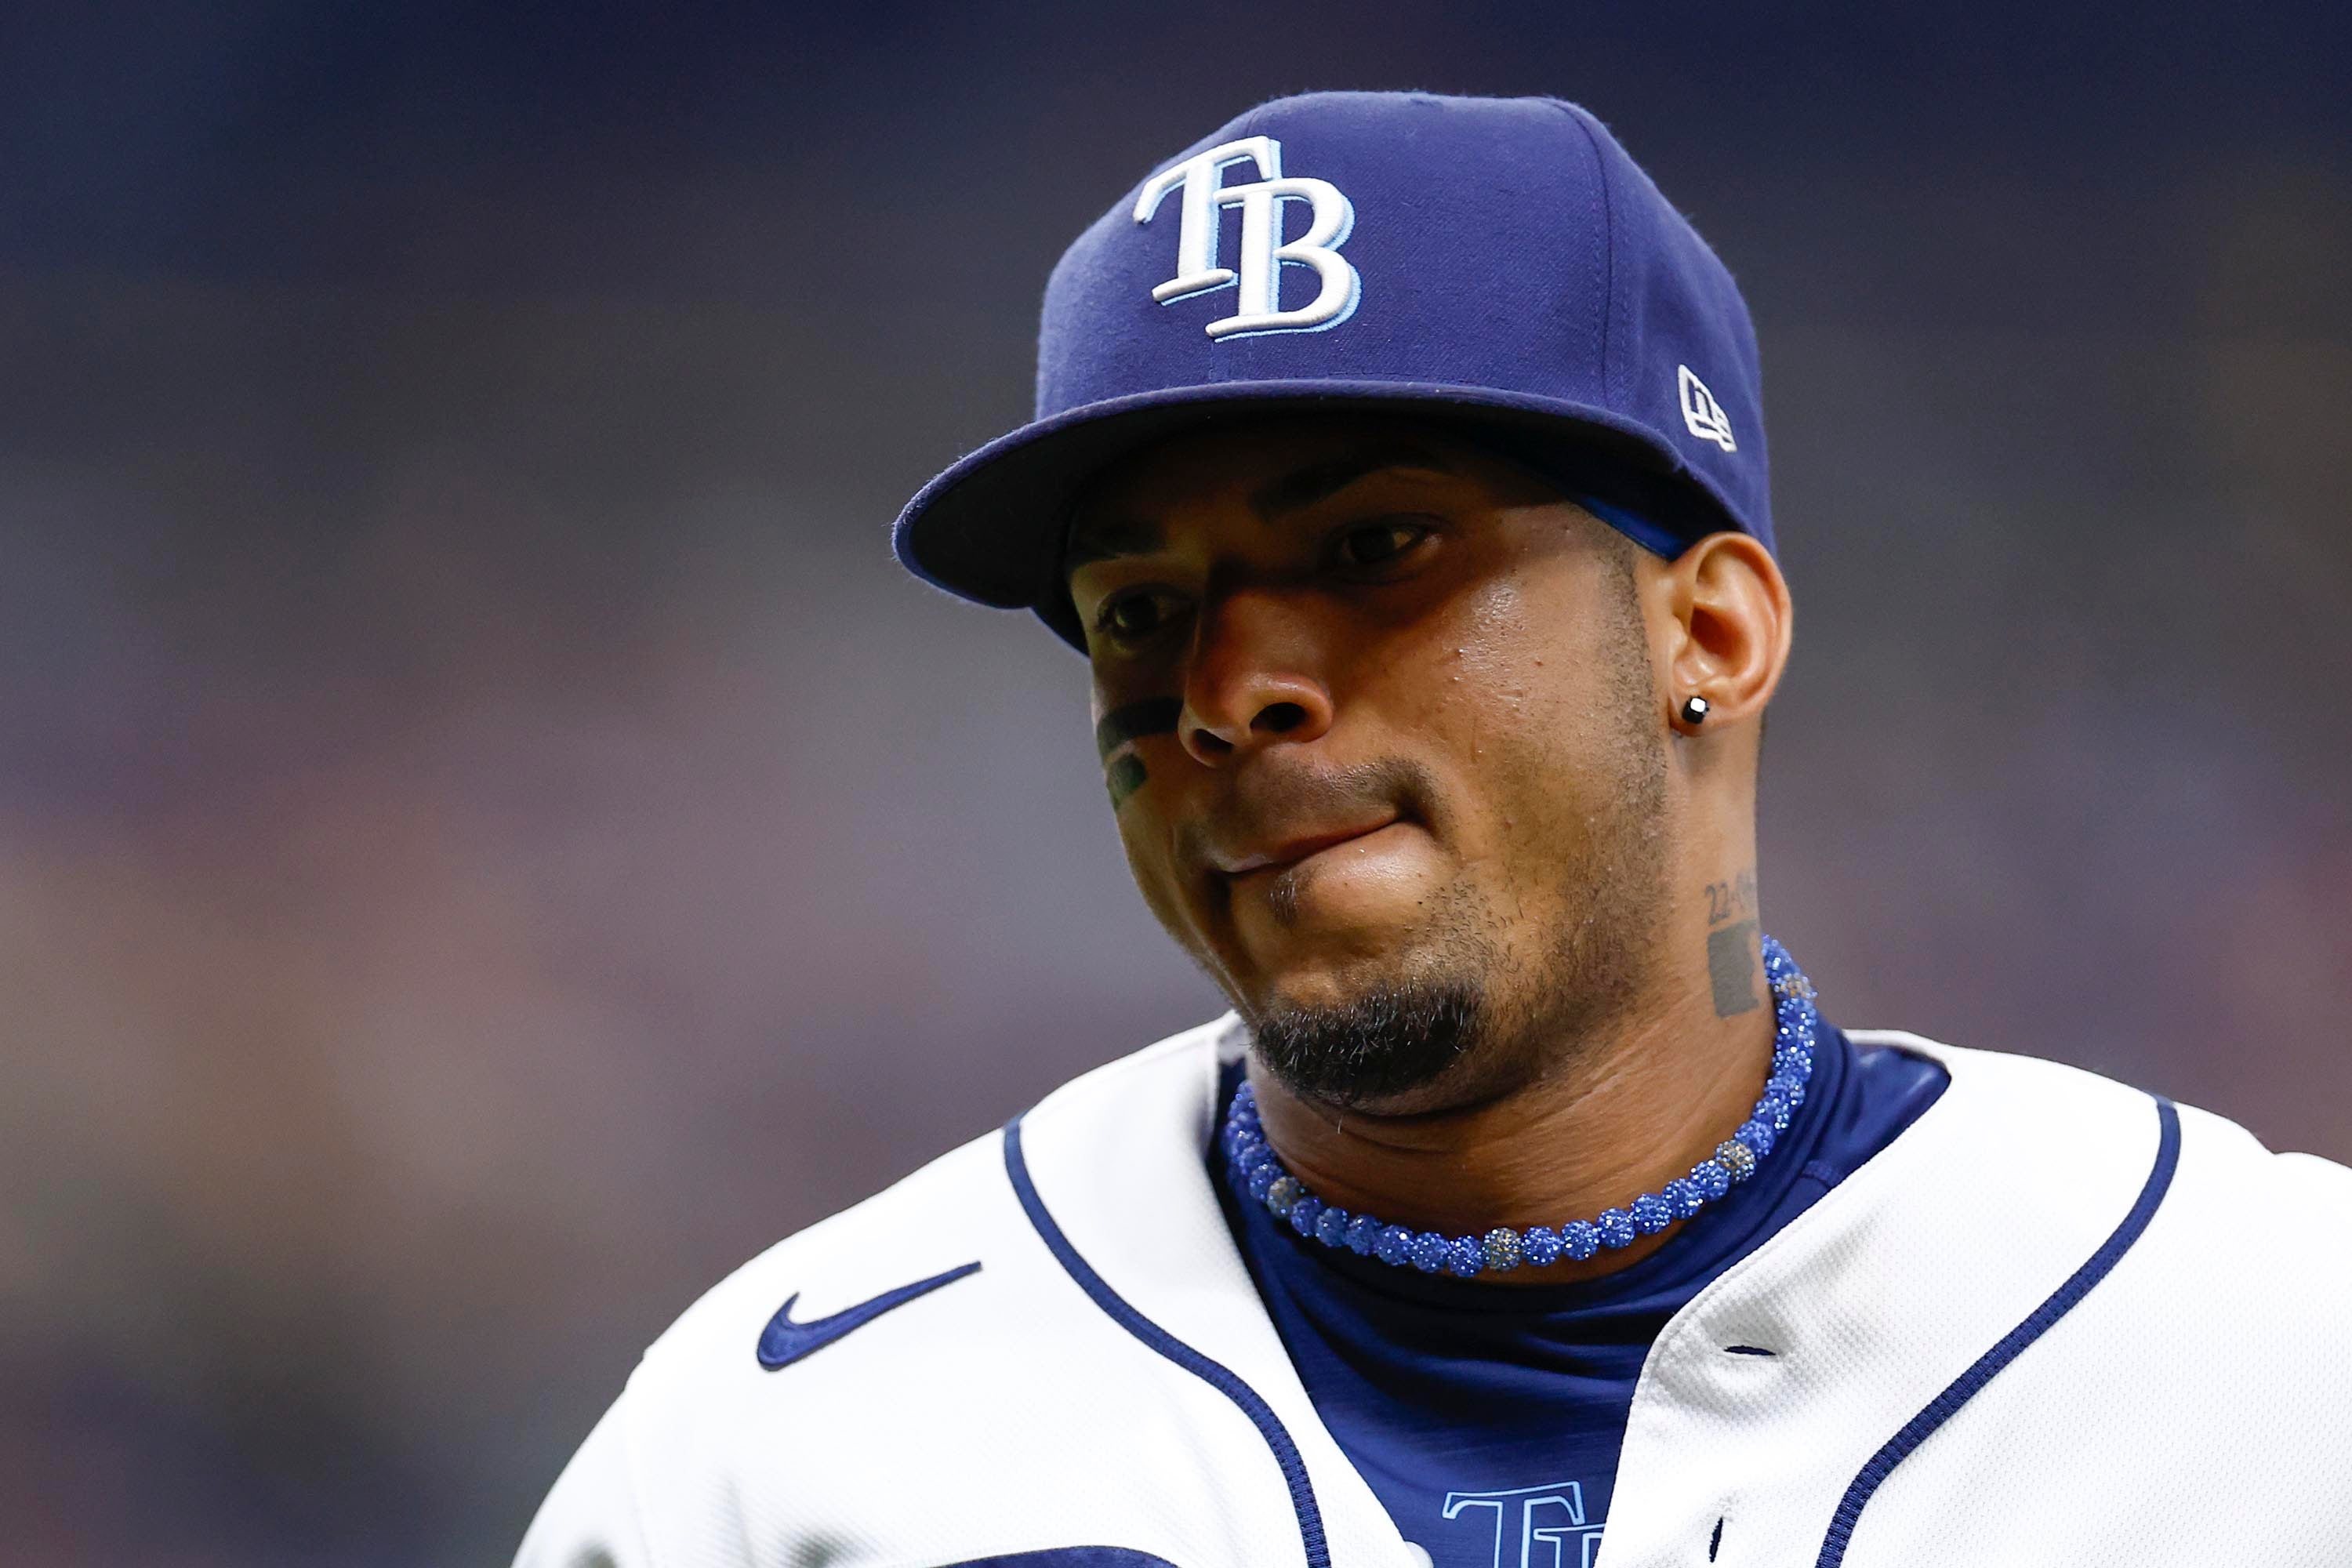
1257,1174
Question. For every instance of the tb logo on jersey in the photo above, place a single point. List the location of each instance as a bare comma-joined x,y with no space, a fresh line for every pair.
1264,251
1535,1527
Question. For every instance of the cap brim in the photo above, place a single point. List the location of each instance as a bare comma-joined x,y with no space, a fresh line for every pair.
990,528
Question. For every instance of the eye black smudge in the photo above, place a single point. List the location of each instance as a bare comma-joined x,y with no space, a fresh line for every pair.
1152,716
1124,776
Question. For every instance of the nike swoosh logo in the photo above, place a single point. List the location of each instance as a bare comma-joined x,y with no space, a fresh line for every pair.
783,1341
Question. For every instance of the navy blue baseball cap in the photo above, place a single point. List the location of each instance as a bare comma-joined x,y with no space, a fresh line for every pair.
1500,266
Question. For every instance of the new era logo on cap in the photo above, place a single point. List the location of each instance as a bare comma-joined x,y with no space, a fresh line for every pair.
1701,415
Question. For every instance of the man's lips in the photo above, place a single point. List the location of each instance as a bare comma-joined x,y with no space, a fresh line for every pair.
1291,850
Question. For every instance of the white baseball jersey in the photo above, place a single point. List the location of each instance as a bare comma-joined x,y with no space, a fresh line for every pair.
2055,1321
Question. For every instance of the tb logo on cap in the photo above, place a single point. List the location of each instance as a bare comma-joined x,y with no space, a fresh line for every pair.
1264,251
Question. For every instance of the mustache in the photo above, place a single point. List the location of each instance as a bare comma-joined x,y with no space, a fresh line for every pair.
1273,798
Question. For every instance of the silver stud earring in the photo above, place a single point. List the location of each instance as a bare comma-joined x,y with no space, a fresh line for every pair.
1694,711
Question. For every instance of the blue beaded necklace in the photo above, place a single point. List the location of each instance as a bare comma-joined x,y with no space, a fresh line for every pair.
1259,1176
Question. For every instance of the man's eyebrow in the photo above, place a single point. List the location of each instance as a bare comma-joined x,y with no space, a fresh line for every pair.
1107,539
1305,487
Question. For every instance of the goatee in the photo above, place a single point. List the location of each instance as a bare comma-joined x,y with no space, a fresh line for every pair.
1375,1047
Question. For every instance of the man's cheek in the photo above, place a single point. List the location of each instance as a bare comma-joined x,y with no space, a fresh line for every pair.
1145,840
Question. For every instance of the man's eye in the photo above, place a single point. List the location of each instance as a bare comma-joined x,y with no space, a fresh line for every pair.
1132,618
1378,544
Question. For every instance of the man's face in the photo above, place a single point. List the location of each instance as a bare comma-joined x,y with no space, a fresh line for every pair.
1383,743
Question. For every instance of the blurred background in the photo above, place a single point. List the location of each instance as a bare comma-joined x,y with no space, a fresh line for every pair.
489,840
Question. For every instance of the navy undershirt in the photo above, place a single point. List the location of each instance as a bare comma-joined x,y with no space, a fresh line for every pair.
1487,1417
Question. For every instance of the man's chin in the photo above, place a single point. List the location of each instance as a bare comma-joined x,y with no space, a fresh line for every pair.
1369,1046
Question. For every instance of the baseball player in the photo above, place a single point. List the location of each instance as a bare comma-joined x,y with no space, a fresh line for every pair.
1399,466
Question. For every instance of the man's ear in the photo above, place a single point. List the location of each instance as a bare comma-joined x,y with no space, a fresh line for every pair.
1725,626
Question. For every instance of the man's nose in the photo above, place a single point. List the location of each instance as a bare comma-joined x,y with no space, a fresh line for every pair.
1255,680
